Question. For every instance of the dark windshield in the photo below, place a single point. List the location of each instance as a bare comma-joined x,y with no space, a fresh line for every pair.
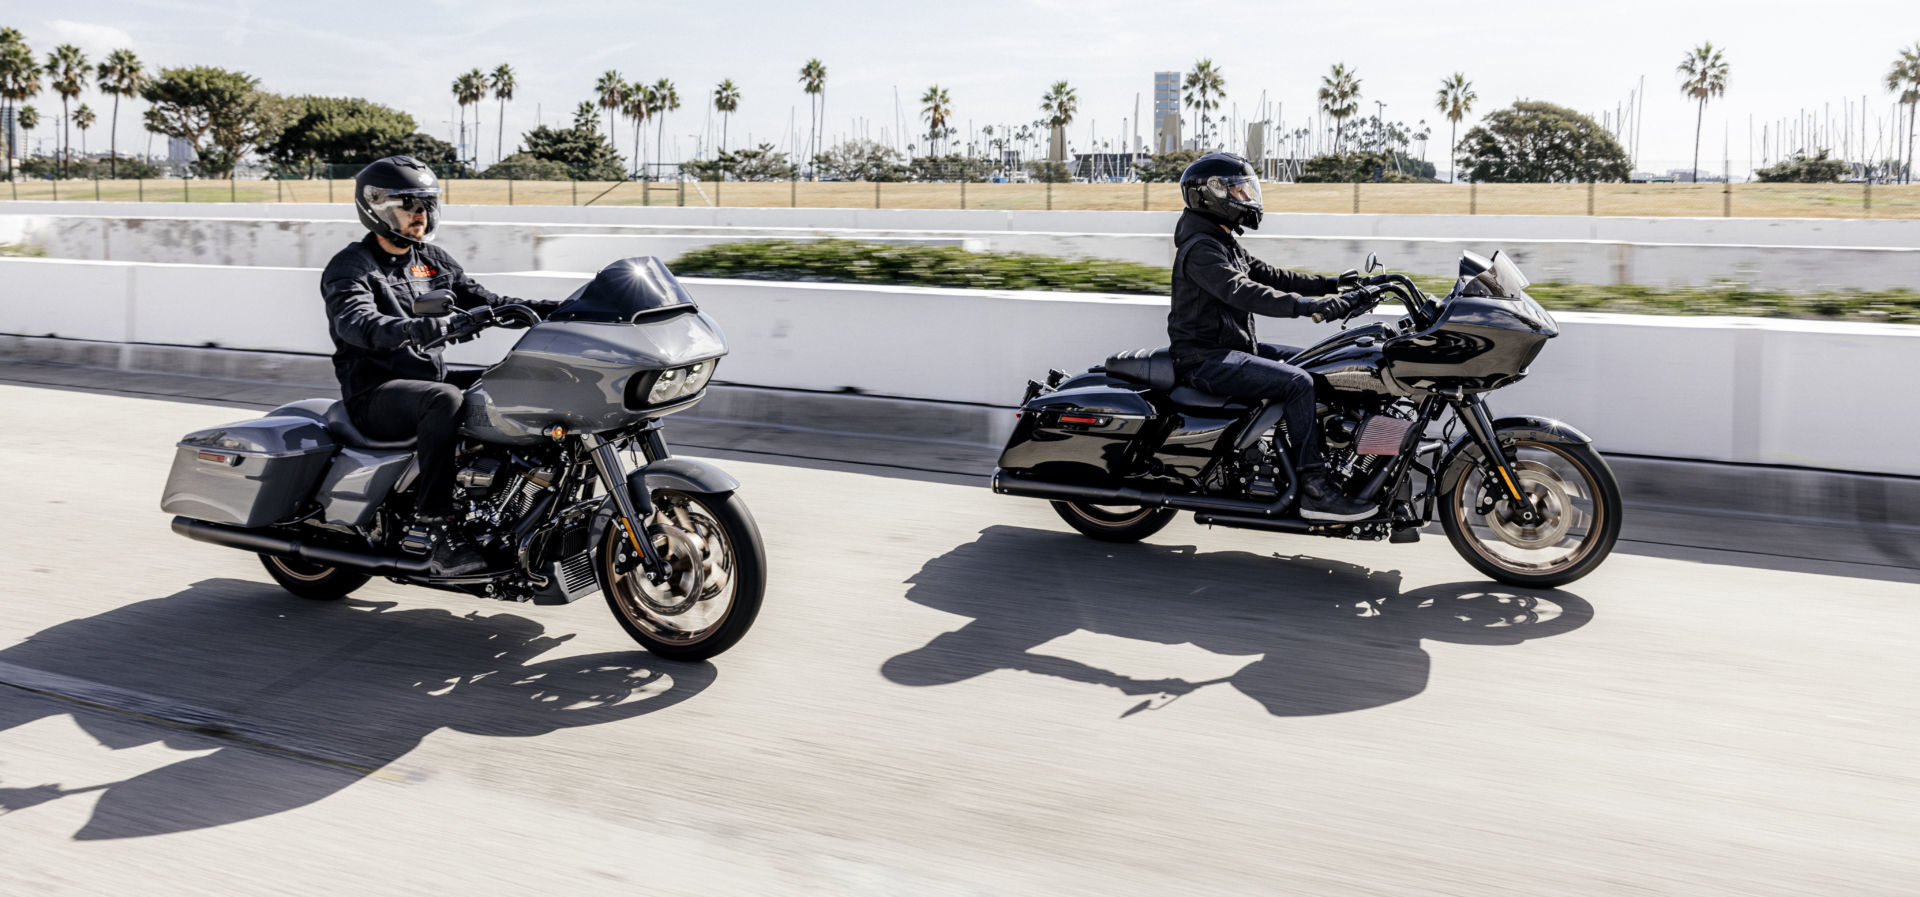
623,292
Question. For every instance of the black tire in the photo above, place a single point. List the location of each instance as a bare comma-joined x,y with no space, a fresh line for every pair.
1125,525
747,580
315,582
1602,513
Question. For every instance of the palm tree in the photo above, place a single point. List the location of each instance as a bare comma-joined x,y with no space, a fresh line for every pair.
1059,104
612,90
469,89
120,76
638,107
29,119
1455,101
935,106
1904,78
67,69
1339,97
665,99
1204,88
1705,75
19,81
83,119
1023,136
726,98
502,82
813,79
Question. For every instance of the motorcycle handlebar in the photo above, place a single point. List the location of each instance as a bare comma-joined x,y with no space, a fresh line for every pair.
491,317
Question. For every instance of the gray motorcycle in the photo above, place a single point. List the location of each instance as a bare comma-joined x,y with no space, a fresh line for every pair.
564,480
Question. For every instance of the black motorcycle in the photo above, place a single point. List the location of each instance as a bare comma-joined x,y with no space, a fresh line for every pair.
564,481
1121,448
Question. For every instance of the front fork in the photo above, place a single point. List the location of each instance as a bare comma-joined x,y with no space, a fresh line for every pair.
1472,410
635,510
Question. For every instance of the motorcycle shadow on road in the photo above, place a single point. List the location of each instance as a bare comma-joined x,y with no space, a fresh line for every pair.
1333,637
298,700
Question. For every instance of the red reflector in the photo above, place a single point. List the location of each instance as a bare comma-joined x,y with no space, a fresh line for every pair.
1079,420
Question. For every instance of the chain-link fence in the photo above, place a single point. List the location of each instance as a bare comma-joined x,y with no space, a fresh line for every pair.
1010,190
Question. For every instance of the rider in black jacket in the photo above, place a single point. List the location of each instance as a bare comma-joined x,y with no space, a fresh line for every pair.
1217,289
394,387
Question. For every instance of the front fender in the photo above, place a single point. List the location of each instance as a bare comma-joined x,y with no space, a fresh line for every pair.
682,475
1528,429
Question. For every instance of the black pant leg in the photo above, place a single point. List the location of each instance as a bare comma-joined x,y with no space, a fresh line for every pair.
1242,375
427,411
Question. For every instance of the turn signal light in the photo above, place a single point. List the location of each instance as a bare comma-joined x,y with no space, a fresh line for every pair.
556,432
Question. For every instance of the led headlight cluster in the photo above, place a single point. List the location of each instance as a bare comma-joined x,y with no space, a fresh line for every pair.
678,383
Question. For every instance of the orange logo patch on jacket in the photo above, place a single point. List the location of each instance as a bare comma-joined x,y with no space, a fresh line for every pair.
422,271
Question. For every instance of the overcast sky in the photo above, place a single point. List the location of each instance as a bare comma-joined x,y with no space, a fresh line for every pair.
996,57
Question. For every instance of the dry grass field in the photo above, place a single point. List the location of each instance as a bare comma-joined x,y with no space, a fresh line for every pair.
1662,200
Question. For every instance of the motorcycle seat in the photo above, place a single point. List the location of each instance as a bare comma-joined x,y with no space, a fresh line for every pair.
1154,367
342,428
1188,397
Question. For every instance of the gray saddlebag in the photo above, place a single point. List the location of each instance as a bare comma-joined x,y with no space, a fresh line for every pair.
248,474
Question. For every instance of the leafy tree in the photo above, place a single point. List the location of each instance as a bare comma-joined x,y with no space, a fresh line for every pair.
121,75
1536,142
527,167
344,130
1705,74
19,81
1204,87
67,72
1455,101
1049,171
1166,168
935,107
860,160
1904,79
503,83
1363,166
585,152
222,113
726,98
1339,97
951,167
1804,170
813,80
762,163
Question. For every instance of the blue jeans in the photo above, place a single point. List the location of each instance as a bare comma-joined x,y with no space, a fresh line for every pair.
1266,376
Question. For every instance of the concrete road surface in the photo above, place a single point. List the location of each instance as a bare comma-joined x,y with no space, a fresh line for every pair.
947,693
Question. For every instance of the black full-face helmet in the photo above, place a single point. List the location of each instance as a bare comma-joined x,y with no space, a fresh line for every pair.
390,195
1224,187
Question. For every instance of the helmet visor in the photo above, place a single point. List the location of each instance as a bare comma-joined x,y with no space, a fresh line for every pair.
412,212
1242,189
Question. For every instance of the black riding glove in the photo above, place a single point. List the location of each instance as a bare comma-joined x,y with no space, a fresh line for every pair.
1343,305
466,328
421,331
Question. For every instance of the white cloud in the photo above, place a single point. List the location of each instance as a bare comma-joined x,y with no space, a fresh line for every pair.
96,40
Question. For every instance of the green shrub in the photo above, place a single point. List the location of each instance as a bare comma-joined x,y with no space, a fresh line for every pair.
22,250
930,266
1804,169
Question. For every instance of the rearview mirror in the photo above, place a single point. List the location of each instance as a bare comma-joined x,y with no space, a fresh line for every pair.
434,304
1373,262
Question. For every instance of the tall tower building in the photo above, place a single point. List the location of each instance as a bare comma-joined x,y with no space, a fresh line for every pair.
1166,111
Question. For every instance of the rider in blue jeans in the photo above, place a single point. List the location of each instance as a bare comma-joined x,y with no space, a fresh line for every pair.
1217,289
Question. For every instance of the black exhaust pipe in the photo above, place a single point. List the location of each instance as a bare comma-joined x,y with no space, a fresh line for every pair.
1272,525
273,543
1126,495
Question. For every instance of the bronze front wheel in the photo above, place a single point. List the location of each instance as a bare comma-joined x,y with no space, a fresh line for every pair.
717,576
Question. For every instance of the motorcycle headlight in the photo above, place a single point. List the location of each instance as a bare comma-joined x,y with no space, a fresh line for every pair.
680,382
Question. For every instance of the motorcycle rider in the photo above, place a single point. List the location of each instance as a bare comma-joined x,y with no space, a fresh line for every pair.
394,386
1218,287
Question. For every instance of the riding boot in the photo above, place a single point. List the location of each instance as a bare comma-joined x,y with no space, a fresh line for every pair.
1321,500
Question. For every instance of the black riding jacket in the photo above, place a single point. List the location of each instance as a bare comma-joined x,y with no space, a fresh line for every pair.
1217,289
370,295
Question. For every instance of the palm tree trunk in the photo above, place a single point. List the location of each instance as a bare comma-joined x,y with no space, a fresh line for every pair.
463,129
113,142
1698,120
636,148
1908,174
500,137
1452,166
813,118
66,136
723,131
660,139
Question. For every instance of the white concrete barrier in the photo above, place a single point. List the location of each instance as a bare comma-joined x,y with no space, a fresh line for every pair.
1714,389
510,246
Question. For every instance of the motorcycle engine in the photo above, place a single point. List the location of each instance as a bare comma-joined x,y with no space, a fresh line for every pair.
1357,442
499,490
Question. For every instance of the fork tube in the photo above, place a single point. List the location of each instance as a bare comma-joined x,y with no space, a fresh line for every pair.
613,475
1473,412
